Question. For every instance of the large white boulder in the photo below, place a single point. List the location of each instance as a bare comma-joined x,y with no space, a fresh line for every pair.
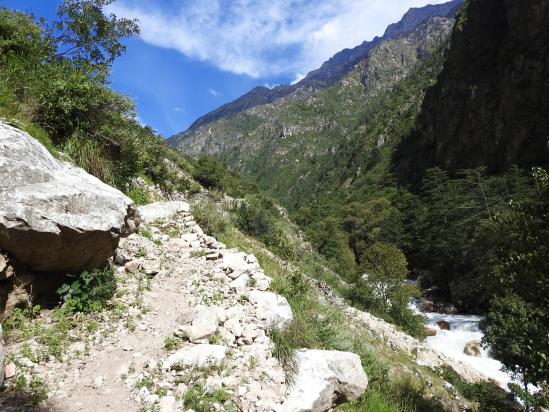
196,356
272,308
162,210
325,379
54,216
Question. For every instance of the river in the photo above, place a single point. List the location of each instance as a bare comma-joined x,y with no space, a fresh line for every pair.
464,329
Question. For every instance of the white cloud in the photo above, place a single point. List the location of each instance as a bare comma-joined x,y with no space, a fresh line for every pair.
179,109
260,38
214,92
298,78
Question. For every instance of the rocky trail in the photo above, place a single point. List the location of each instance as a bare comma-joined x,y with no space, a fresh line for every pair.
198,320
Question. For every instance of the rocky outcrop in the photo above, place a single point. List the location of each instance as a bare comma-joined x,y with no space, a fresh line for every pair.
53,216
489,106
325,379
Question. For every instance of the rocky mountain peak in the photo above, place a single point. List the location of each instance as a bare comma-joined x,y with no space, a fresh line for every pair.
331,71
417,15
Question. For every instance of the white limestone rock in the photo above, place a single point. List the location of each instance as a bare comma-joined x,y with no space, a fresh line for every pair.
272,308
162,210
196,356
324,379
54,216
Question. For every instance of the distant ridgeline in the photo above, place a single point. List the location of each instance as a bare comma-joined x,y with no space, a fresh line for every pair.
329,73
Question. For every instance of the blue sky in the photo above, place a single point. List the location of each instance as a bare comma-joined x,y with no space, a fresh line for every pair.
194,55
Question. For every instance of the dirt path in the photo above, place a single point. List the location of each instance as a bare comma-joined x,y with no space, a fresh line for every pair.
97,385
189,317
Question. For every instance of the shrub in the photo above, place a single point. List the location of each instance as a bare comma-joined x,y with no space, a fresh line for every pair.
138,195
209,217
210,173
490,397
199,398
89,291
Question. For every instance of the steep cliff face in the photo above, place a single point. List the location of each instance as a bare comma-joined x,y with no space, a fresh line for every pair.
328,74
489,106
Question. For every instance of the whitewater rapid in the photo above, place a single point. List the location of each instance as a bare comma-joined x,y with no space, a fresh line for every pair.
464,329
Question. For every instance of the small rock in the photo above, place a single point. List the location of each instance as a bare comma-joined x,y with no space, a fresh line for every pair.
167,404
213,256
198,355
204,323
26,362
162,210
152,399
234,326
98,382
272,308
181,389
472,348
10,370
120,259
132,266
151,267
442,324
143,392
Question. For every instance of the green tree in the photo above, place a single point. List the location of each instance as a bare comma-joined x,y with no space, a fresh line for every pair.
385,268
517,334
380,286
210,173
513,250
86,34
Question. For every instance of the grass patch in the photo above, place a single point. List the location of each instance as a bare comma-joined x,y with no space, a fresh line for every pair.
139,195
200,399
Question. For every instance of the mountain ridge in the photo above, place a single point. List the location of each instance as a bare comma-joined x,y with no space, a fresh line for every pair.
331,71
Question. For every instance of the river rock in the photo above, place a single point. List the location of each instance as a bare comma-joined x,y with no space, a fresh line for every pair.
54,216
324,380
162,210
472,348
430,331
442,324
